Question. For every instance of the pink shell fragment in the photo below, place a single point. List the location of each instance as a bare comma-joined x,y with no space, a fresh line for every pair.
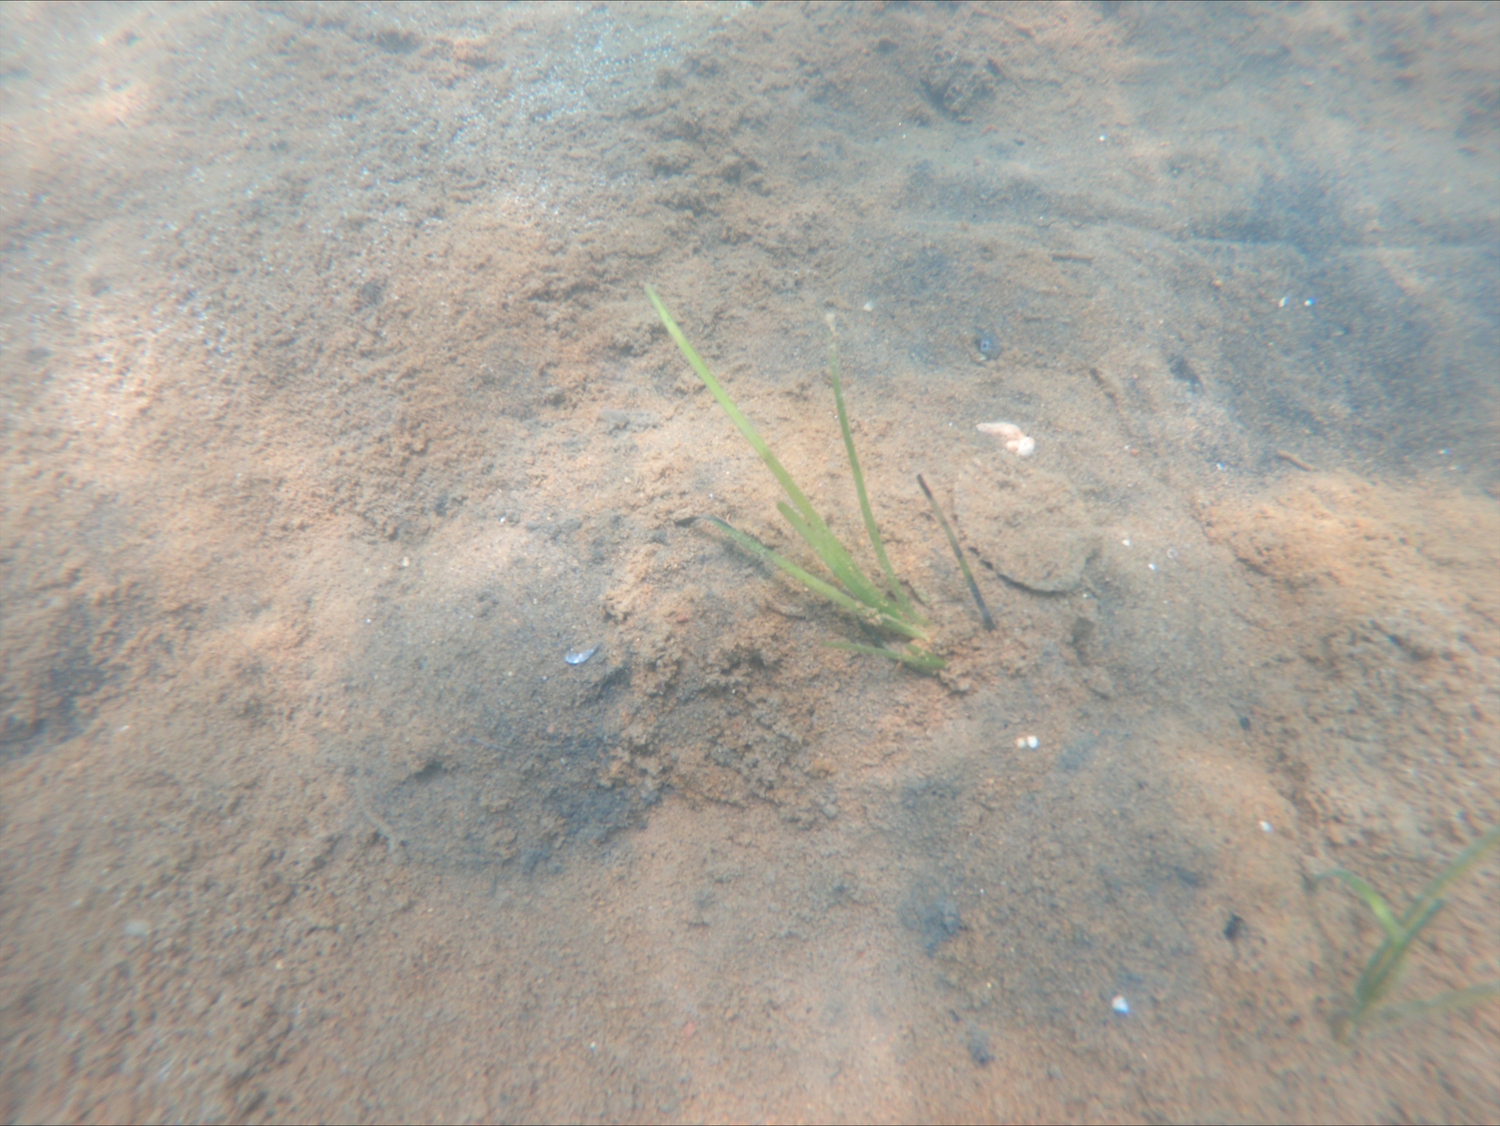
1022,445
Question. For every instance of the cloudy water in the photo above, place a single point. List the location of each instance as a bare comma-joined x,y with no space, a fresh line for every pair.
384,733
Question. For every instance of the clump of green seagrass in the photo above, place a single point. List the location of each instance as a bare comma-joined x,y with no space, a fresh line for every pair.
1384,967
887,609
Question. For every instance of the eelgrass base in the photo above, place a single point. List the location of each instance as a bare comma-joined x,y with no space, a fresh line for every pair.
884,606
1384,968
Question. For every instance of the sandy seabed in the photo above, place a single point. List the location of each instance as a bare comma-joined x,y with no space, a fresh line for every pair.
336,417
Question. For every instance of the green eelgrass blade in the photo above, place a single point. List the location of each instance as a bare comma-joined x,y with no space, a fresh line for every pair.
865,613
1394,931
1384,966
1384,969
853,579
1443,1002
831,549
757,443
859,484
911,655
984,611
1461,863
1381,974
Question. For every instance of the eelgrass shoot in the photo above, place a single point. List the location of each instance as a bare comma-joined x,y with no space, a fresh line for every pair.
1385,965
881,606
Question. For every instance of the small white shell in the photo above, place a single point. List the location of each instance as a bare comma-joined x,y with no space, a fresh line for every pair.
1007,430
1120,1005
1018,443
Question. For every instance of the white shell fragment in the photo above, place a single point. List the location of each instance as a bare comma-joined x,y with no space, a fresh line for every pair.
578,656
1022,445
1120,1005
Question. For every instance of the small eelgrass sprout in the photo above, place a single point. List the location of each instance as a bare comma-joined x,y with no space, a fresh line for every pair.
853,591
1384,967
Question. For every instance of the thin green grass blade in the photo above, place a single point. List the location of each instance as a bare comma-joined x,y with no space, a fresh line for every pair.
865,613
1380,970
852,577
1384,967
897,593
1442,1003
984,611
832,550
757,443
1394,931
916,658
1383,970
1461,864
801,527
812,582
923,662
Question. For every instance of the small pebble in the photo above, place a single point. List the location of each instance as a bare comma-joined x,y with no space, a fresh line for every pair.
979,1047
1120,1005
578,656
1265,826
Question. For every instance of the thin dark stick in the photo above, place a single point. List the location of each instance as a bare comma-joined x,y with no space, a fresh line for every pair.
984,611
